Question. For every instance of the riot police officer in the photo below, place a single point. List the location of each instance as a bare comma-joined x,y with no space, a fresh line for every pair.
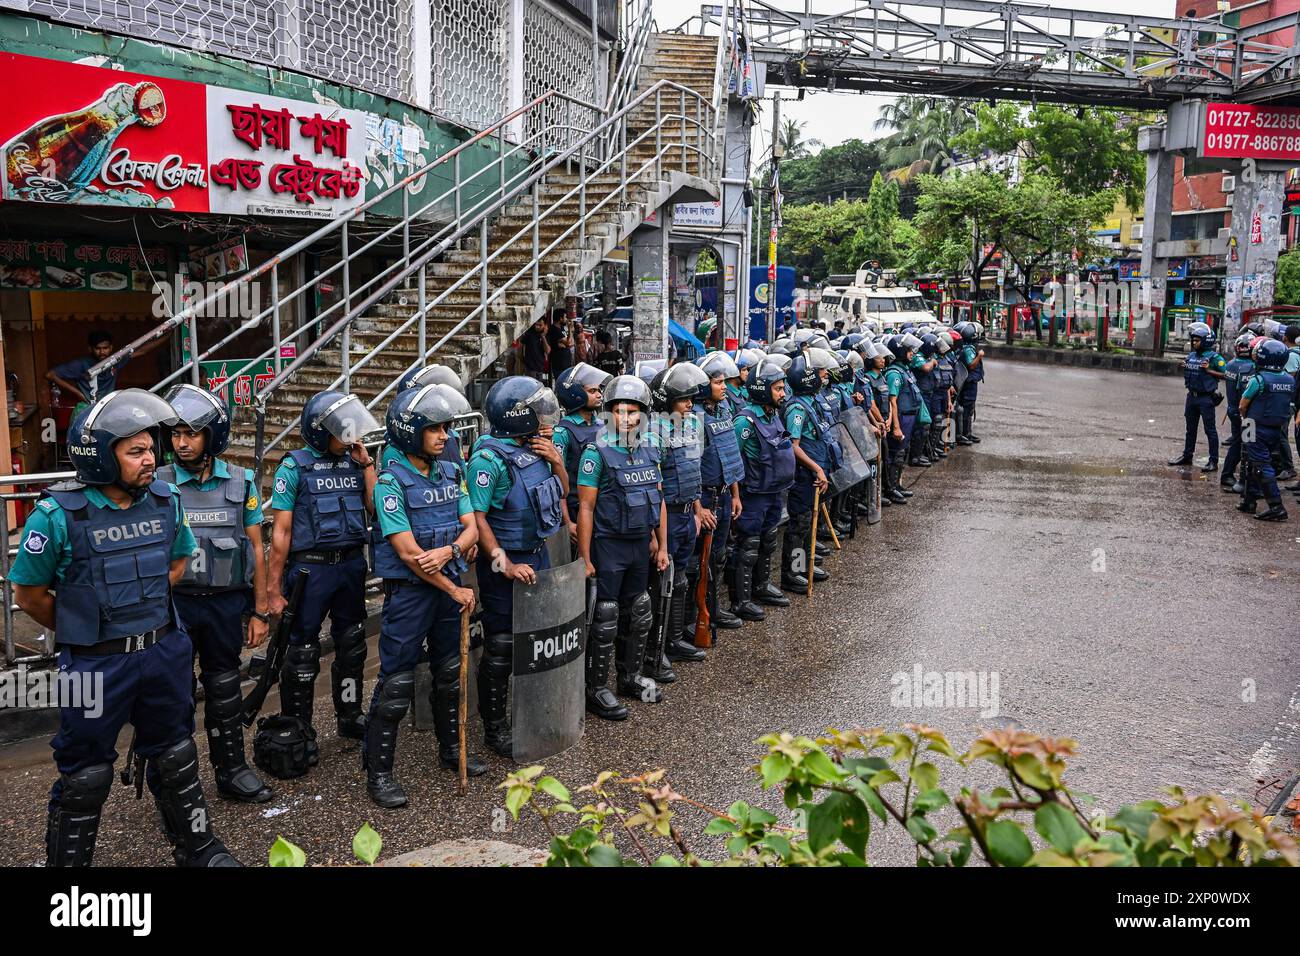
747,360
906,407
223,580
941,410
769,463
622,529
1236,374
111,545
517,484
681,435
817,451
721,469
424,530
322,495
1202,370
925,363
1266,403
578,390
972,357
430,375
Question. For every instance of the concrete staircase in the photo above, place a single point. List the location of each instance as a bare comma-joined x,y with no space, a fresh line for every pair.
687,60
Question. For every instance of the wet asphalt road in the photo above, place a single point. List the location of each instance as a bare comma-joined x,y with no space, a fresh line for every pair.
990,569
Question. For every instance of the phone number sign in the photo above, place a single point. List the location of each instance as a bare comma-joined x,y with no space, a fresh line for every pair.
1242,130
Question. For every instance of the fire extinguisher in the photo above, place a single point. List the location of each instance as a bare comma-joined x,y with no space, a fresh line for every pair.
21,508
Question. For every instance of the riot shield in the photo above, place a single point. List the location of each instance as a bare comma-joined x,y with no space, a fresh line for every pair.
858,444
959,375
550,639
559,548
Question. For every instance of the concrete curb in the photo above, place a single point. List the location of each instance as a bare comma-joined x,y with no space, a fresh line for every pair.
1086,358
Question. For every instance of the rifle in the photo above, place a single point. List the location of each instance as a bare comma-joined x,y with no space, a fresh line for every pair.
275,651
703,613
658,639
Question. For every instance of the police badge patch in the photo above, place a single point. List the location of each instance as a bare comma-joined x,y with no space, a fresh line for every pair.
588,467
35,542
281,486
483,479
390,504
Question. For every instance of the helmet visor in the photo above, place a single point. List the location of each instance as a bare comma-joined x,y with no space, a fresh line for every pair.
545,406
821,358
585,376
350,422
440,404
719,363
129,412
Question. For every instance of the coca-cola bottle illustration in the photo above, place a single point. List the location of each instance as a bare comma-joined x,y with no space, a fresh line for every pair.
59,157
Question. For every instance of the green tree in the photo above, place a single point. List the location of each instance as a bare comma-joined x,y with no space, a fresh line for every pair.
1287,291
924,128
792,141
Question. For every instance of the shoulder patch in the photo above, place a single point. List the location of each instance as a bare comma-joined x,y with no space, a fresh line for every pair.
390,504
483,479
45,504
251,503
745,432
281,486
288,462
588,467
35,542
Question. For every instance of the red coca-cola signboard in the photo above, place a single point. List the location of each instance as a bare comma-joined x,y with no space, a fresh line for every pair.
90,135
1247,130
83,134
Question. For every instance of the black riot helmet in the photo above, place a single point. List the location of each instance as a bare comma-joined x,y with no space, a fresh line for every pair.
803,376
761,381
684,380
96,430
198,409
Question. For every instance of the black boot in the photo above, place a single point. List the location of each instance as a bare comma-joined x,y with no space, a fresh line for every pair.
723,618
818,572
377,757
794,554
629,651
1275,512
936,441
298,689
600,649
963,426
347,675
895,474
764,591
742,581
71,827
970,424
185,817
223,708
493,690
446,719
679,648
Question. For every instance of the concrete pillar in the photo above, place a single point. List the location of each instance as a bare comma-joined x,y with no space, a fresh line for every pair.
648,255
514,31
1256,225
734,268
422,54
733,291
1157,220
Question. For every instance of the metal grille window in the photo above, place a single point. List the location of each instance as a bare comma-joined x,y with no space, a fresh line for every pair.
557,56
470,67
361,43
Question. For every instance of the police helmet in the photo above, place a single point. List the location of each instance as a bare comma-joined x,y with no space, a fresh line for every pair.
572,384
822,358
852,340
897,344
95,431
749,357
929,345
1271,355
200,410
820,341
761,382
1242,345
801,337
647,369
1202,331
625,388
334,414
416,409
780,361
803,376
432,375
719,364
853,361
943,341
683,380
783,346
969,331
519,405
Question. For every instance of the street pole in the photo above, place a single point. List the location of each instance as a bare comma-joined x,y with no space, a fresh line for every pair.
776,221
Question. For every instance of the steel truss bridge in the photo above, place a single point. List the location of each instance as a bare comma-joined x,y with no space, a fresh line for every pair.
1019,51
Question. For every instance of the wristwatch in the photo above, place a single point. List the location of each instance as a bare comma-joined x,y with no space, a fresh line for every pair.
455,551
264,618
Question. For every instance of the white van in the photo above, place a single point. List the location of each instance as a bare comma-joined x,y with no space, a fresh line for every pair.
882,308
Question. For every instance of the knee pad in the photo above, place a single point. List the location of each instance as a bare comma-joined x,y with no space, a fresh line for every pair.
302,661
178,765
769,537
604,623
679,579
640,615
498,654
85,790
446,677
223,701
395,697
350,649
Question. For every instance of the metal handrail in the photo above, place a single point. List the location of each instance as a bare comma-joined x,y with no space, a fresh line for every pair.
594,139
340,225
7,552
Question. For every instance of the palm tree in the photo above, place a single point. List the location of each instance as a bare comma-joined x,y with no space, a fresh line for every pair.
923,127
793,145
